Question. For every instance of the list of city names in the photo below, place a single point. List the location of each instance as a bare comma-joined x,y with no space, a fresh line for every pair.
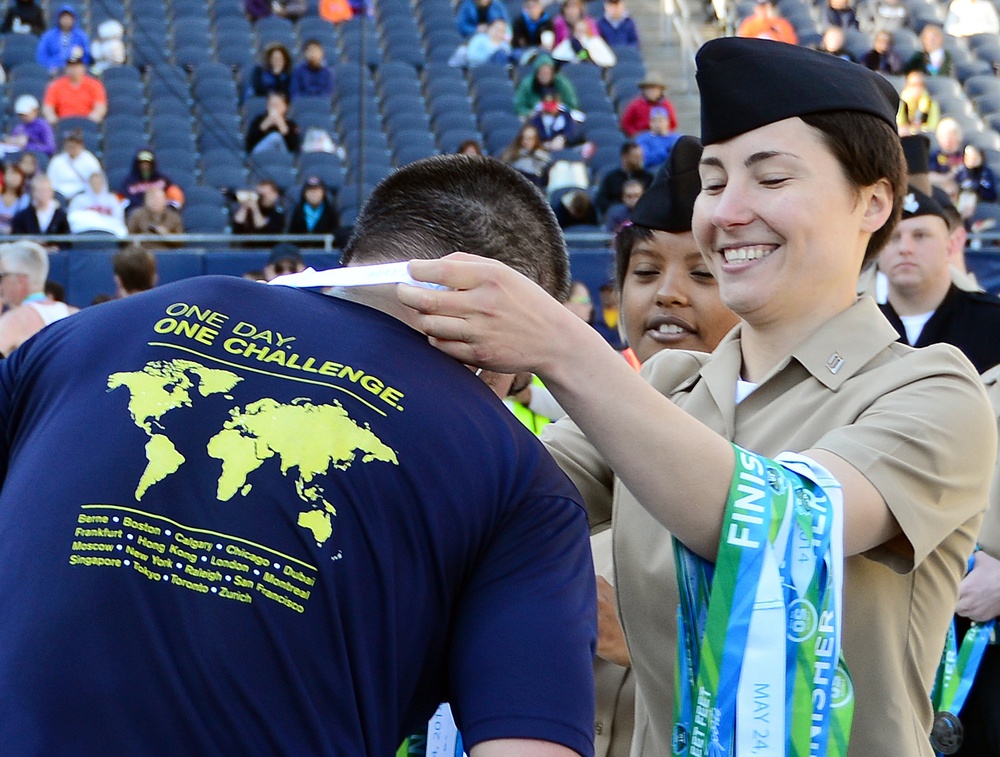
207,562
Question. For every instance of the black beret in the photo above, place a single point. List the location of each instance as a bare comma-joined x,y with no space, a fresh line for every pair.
917,149
668,203
916,203
749,83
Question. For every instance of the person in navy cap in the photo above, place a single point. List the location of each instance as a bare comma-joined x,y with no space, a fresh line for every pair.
810,397
924,305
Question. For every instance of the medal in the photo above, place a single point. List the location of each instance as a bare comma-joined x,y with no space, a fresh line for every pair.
946,733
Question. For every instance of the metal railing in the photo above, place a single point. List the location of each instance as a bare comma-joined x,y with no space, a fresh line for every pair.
676,18
192,242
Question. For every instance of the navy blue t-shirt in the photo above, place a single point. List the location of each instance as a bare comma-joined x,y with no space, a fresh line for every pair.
249,520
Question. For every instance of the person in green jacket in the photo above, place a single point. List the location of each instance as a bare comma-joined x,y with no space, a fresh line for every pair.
544,78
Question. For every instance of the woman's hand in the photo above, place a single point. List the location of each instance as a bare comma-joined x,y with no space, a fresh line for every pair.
490,316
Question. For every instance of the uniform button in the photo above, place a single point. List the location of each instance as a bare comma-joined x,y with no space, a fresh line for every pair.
598,728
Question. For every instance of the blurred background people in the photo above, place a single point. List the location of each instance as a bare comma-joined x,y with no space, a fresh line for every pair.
315,212
156,217
31,133
97,208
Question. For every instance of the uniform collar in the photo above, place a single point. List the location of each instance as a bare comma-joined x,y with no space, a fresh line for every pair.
833,353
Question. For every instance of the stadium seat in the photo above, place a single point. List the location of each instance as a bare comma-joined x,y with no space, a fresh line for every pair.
18,49
988,104
201,219
286,177
165,140
327,166
190,56
982,85
412,153
449,141
226,175
417,137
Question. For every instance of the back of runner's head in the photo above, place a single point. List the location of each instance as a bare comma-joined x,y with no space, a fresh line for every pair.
465,203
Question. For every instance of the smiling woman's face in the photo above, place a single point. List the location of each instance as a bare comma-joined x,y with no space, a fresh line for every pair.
670,299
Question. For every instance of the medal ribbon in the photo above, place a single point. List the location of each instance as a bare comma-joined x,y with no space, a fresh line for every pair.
959,664
742,688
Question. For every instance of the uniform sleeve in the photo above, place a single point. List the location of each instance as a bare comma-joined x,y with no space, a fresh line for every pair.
989,537
929,447
585,467
522,654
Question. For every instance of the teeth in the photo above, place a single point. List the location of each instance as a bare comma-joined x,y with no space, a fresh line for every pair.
670,328
741,254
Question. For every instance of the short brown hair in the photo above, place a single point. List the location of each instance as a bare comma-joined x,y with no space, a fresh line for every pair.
467,203
135,268
868,149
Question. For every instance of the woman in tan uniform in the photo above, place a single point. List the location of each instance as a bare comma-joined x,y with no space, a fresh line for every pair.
668,299
801,184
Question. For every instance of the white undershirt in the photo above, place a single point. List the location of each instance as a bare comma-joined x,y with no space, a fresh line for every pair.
744,389
45,216
914,324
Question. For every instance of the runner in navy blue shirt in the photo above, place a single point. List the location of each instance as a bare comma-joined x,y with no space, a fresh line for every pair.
247,519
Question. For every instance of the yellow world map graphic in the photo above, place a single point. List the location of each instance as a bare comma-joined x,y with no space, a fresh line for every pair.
309,439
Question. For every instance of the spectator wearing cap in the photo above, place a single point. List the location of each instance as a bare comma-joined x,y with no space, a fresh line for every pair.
75,94
312,77
766,23
144,174
556,127
23,17
31,133
475,15
70,169
273,129
156,217
656,143
259,211
62,42
315,212
616,26
924,306
285,258
652,94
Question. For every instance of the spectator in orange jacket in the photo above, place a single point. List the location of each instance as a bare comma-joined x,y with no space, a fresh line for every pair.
767,23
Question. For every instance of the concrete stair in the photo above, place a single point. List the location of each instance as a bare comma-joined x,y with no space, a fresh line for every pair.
661,50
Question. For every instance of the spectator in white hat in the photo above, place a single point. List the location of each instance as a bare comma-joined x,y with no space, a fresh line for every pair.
31,133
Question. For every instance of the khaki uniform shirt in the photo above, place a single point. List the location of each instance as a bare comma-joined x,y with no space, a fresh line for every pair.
916,423
989,537
614,686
